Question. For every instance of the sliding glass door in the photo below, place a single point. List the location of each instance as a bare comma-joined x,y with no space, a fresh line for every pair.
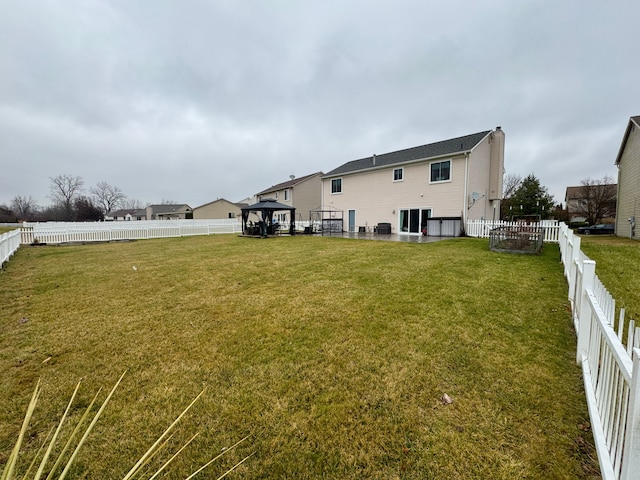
413,220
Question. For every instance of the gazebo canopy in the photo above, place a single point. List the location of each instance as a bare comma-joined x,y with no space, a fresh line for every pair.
266,208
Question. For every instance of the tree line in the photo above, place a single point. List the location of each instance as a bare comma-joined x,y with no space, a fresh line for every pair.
71,202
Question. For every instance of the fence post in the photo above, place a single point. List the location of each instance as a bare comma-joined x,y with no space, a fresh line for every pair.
584,311
574,257
631,452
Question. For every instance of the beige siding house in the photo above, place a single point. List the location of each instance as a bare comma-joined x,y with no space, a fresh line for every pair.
166,212
628,162
303,194
218,209
456,178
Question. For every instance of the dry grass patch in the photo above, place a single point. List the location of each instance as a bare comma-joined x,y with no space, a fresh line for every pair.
333,353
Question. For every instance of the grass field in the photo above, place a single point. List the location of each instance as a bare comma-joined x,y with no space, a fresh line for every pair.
617,265
333,354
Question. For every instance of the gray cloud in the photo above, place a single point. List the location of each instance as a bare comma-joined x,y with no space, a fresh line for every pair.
198,100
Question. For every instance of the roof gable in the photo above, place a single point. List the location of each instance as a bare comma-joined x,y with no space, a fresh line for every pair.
219,200
633,121
288,184
452,146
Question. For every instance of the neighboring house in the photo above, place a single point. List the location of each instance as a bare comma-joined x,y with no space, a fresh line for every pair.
460,177
123,215
303,194
584,200
167,212
218,209
573,202
628,163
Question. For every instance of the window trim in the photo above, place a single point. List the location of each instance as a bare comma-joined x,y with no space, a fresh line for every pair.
336,192
401,179
287,195
431,171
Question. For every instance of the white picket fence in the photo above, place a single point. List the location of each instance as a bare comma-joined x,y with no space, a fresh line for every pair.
9,243
609,355
481,228
82,232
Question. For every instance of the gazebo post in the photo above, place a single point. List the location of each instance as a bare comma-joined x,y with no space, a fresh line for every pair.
292,223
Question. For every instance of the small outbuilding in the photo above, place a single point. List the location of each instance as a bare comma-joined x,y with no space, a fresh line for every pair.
265,225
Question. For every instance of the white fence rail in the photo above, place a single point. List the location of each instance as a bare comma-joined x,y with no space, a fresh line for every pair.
9,243
609,355
481,228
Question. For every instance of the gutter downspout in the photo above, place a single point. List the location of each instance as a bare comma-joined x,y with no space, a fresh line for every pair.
466,185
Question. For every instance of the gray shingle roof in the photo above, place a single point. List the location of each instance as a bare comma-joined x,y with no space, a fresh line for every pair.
288,183
445,147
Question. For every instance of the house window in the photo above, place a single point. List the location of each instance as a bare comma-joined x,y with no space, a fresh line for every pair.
232,215
276,195
286,195
441,171
336,185
398,174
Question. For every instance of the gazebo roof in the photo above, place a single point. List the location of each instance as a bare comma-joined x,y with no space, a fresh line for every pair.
267,204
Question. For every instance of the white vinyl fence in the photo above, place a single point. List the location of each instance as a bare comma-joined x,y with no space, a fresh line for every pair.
608,351
481,228
70,232
9,243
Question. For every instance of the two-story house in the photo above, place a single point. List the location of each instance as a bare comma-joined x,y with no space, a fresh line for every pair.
219,209
628,163
302,193
456,178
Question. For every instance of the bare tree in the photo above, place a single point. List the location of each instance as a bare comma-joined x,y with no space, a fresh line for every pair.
24,207
132,204
64,189
107,197
510,184
597,199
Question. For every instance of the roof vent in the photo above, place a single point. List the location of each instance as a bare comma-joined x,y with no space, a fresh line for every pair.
374,158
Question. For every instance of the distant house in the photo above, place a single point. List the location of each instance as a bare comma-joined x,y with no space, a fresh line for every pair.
219,209
581,201
628,163
123,215
303,194
456,178
167,212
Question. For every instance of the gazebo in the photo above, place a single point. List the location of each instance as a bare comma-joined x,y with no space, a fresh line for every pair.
265,226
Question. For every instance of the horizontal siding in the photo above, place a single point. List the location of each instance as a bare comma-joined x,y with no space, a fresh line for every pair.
629,186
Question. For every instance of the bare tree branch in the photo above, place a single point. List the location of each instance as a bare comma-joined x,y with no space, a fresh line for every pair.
64,189
107,197
24,207
598,199
510,184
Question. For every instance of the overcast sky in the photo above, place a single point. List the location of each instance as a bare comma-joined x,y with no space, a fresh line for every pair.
194,100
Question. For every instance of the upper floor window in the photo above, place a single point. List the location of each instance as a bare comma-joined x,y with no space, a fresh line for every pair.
441,171
336,185
398,174
287,194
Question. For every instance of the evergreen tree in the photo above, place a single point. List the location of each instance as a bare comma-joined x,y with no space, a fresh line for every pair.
531,198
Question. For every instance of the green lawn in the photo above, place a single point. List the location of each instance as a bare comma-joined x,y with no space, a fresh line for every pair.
617,265
333,354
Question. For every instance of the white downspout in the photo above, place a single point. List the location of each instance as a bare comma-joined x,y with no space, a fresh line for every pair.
466,185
